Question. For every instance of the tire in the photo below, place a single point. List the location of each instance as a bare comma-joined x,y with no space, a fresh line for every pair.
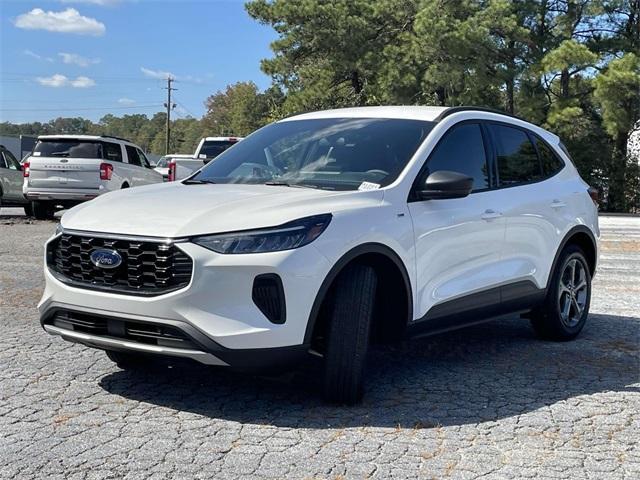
350,314
128,360
570,285
28,210
43,210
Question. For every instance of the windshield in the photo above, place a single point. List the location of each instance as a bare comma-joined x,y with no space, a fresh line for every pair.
333,154
213,148
68,148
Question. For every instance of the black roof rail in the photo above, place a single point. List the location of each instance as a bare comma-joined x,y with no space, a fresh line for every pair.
116,138
452,110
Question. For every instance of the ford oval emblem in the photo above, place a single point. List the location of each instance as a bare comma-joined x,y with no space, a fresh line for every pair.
103,258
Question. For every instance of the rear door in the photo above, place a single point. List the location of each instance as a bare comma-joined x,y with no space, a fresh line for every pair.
66,164
10,176
532,211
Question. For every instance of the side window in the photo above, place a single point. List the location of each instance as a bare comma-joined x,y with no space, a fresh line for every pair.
550,161
462,150
3,164
132,153
143,158
113,152
516,156
10,160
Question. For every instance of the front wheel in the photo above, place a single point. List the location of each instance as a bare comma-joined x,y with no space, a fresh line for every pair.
565,310
351,312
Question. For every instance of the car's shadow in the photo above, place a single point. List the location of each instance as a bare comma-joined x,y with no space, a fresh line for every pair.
474,375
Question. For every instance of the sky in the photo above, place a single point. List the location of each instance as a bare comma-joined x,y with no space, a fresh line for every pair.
89,58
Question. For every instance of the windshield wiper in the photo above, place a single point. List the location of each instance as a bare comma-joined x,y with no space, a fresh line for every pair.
279,183
195,181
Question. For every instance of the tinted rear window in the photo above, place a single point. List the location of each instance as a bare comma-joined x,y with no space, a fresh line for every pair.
213,148
516,155
68,148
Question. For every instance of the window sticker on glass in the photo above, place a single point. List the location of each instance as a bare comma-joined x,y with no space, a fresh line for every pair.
36,154
368,186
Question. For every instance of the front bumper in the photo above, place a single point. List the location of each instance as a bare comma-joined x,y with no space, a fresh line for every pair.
189,343
215,308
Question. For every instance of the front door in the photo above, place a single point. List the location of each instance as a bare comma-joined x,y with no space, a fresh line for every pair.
458,241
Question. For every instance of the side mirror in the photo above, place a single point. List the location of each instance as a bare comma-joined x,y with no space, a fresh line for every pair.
445,184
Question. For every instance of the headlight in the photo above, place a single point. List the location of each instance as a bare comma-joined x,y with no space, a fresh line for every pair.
284,237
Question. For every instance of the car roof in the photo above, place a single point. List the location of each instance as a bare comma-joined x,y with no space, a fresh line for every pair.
424,113
84,137
221,139
411,112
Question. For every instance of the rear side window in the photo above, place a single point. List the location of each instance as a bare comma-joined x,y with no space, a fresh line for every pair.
462,150
69,148
2,162
113,152
143,158
132,154
551,164
515,154
10,160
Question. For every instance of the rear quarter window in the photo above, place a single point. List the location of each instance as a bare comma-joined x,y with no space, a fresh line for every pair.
113,152
551,163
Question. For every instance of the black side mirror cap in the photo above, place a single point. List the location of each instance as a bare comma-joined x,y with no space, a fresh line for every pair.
445,184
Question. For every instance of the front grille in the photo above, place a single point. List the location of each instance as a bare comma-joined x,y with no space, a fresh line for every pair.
148,333
148,268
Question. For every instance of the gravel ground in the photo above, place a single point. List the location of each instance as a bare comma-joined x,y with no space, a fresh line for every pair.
489,401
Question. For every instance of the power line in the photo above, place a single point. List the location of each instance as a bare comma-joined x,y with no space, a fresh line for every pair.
74,109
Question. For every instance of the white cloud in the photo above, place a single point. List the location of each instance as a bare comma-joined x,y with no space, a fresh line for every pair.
67,21
75,59
159,74
33,54
82,82
126,101
57,80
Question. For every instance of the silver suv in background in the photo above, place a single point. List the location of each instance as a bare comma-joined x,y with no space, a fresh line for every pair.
64,170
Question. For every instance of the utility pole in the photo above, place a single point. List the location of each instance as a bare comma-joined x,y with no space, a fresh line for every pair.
169,106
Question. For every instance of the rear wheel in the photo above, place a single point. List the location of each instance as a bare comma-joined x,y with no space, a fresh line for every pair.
28,210
128,360
351,311
565,310
43,210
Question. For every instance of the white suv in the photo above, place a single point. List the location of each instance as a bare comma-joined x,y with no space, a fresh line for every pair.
64,170
327,231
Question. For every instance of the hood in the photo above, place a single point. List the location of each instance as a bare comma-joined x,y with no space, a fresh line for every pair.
177,210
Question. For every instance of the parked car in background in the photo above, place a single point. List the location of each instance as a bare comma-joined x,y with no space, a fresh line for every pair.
181,168
324,232
11,182
210,147
162,167
64,170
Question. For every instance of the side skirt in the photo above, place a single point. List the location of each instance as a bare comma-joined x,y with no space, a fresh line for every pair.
480,307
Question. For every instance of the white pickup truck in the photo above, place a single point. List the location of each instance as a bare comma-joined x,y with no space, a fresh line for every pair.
64,170
208,149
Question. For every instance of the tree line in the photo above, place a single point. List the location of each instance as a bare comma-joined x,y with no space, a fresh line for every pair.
571,66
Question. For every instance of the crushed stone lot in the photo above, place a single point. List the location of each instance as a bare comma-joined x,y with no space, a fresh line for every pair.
489,401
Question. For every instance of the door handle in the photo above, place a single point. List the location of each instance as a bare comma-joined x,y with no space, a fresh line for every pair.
490,214
558,204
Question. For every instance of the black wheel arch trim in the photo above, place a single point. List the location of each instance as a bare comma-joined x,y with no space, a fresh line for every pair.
572,231
363,249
